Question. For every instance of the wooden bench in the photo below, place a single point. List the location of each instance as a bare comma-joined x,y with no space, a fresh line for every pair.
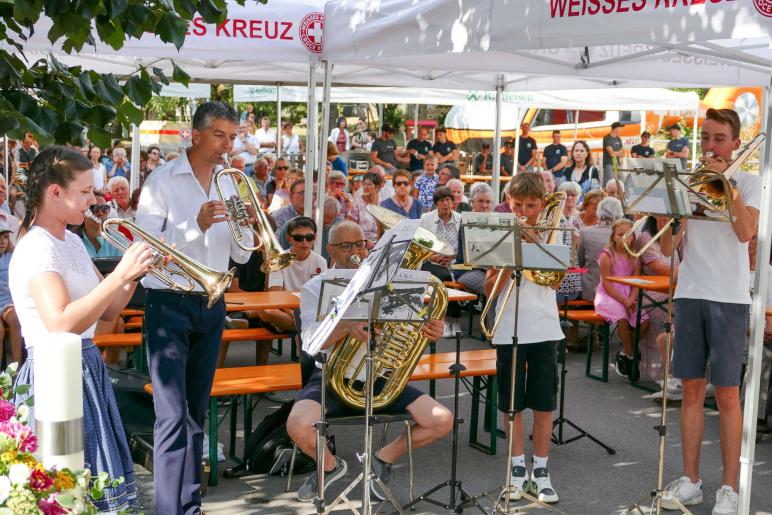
251,380
595,322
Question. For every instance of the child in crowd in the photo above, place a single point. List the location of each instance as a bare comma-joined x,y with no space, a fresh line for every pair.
10,321
538,331
616,302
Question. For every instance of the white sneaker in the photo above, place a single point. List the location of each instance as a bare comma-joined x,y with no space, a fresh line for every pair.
518,483
448,333
683,491
236,323
455,327
541,486
674,391
726,501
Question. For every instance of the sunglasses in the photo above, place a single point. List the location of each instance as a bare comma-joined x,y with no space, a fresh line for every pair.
402,183
303,237
282,167
101,208
347,246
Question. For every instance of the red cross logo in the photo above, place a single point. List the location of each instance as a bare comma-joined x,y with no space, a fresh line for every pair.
311,29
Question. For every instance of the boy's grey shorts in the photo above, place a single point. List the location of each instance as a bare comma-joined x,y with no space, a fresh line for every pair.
709,330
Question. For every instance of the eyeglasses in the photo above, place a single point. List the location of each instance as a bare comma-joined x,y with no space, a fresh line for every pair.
338,184
402,183
303,237
99,208
282,167
347,246
301,193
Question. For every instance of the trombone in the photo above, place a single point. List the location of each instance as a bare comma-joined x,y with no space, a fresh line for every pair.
189,271
275,257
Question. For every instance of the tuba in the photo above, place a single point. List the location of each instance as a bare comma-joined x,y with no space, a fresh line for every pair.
400,345
188,271
275,257
549,220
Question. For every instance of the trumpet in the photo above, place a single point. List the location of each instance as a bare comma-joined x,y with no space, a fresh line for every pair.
275,257
181,273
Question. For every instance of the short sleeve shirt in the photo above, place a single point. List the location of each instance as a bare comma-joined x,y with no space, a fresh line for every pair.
677,145
507,162
478,162
642,151
298,273
553,154
610,141
385,150
423,148
425,186
527,146
444,149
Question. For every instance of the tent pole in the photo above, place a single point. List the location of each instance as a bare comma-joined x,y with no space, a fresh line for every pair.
7,161
517,141
310,165
576,125
319,215
497,140
415,125
278,120
643,122
380,119
694,136
750,411
134,179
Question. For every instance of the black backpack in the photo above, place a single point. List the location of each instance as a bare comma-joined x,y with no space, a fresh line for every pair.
268,448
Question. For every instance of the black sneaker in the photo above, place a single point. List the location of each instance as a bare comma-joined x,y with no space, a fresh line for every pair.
310,487
383,471
622,365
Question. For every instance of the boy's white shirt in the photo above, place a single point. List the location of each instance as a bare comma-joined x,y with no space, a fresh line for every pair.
539,320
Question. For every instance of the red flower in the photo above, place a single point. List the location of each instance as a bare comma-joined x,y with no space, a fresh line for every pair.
7,410
40,481
50,506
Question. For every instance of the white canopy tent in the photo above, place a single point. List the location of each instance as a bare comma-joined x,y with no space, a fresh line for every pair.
616,43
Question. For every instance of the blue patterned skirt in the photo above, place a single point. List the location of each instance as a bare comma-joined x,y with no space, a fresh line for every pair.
105,446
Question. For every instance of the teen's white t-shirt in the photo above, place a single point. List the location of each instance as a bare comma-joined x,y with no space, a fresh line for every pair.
295,276
38,252
716,266
538,315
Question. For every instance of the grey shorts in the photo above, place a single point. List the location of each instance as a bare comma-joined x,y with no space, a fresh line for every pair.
709,330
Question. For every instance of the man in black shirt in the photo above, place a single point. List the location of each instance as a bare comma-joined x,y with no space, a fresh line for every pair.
445,150
384,150
555,158
643,150
507,159
526,155
483,162
418,149
612,147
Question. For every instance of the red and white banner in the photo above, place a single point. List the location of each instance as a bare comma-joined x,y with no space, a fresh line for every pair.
288,31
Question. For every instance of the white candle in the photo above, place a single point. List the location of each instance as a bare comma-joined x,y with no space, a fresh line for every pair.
59,400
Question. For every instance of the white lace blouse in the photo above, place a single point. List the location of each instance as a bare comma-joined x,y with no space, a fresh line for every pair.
38,252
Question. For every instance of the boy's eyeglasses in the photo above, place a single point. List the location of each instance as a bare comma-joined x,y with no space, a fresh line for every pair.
347,246
302,237
402,183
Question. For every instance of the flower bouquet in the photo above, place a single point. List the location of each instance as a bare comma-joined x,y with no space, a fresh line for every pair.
26,487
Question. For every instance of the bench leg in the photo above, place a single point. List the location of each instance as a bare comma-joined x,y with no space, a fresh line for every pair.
604,341
603,333
279,347
432,382
489,418
213,441
291,467
234,419
409,430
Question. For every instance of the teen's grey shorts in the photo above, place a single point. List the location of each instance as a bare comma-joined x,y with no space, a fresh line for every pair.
708,330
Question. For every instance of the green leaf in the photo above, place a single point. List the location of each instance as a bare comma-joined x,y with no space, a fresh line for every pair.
27,10
21,389
66,500
70,132
85,84
138,90
211,12
131,112
172,29
111,34
179,75
186,8
158,72
96,493
99,115
134,20
7,122
109,90
47,117
115,8
99,136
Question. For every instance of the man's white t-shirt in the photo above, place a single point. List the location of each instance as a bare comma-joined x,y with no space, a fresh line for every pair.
295,276
716,265
538,319
248,157
265,136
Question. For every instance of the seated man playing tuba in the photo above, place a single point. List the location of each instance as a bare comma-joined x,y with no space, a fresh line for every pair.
432,420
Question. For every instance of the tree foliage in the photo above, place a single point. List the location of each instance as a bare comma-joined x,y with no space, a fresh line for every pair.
58,103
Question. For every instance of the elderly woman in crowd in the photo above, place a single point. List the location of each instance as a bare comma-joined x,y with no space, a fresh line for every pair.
592,240
120,166
402,202
371,184
573,192
482,202
337,186
481,195
459,201
120,197
588,216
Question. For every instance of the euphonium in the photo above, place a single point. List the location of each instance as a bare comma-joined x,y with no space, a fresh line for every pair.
275,257
188,270
549,220
400,345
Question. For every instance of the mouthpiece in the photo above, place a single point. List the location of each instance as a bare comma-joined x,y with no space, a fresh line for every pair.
91,216
355,259
709,153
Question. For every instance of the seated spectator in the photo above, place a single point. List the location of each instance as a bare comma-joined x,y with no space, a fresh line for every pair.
270,157
549,181
482,202
588,214
9,322
402,202
572,191
387,186
337,184
481,195
262,179
424,186
460,202
335,160
91,232
245,147
446,173
445,223
5,216
445,150
356,186
237,162
331,212
592,240
295,208
120,197
120,166
301,233
371,184
291,144
154,159
612,190
278,189
359,138
483,162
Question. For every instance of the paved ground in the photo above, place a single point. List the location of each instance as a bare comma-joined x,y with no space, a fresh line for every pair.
588,480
